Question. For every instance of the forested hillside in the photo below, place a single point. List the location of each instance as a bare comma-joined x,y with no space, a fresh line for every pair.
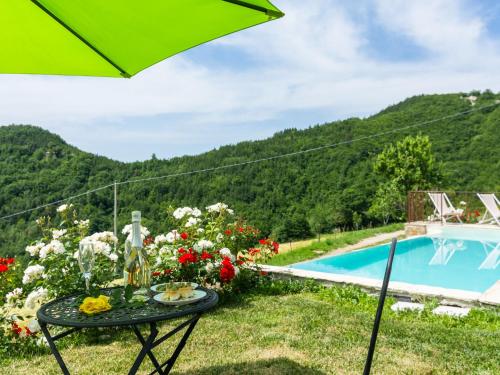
38,167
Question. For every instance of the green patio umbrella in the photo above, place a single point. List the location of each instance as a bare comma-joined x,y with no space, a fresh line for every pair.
114,38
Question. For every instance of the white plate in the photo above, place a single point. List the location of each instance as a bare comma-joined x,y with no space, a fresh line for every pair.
197,295
154,288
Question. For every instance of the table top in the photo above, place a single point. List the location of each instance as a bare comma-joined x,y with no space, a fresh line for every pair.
64,311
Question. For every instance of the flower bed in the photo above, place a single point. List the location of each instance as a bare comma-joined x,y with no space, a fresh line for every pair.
212,248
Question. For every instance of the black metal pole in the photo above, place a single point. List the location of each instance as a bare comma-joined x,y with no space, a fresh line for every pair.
380,308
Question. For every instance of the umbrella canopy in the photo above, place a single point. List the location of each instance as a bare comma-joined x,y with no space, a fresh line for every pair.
114,38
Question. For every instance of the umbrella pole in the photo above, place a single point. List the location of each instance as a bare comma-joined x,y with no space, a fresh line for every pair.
378,315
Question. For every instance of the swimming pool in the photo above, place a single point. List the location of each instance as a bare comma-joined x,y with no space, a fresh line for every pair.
460,260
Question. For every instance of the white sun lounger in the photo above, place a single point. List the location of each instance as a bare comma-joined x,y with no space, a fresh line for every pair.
492,213
443,207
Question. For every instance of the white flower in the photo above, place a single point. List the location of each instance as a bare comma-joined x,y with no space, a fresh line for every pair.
204,244
164,251
36,297
180,212
64,207
54,246
196,212
192,221
236,271
201,230
12,297
108,237
172,236
463,203
32,273
113,257
58,233
82,224
33,325
218,207
42,341
209,267
34,250
219,237
225,252
161,238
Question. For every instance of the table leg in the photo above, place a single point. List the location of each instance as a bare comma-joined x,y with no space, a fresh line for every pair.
182,343
146,348
53,348
149,353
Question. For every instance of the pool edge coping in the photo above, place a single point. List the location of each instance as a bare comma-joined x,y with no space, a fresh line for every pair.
394,286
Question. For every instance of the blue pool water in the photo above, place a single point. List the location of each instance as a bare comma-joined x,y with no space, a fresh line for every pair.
471,265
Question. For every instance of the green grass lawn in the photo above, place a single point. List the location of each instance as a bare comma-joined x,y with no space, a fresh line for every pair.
313,331
327,243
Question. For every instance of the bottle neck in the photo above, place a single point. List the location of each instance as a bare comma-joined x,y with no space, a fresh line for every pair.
136,234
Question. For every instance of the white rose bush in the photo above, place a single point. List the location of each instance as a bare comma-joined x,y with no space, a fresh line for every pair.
52,271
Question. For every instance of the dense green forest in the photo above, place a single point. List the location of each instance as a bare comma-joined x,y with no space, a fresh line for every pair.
37,167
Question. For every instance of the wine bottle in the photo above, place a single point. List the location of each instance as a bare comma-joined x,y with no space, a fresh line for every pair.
136,272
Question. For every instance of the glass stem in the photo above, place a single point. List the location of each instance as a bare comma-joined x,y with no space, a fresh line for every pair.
87,283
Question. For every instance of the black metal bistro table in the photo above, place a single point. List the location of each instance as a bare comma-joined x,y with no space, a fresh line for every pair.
64,312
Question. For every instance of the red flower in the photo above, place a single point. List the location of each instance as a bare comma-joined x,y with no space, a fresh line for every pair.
253,251
148,241
181,251
227,232
184,235
167,271
10,260
3,268
240,229
477,213
276,247
263,241
226,261
206,255
156,274
188,257
227,271
263,273
16,329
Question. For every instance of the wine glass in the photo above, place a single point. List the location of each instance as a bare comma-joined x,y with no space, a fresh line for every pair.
86,256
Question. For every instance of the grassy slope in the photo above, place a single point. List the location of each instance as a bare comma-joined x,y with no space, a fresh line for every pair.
327,243
325,332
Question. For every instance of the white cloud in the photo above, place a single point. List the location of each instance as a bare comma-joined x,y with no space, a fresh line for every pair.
315,58
447,27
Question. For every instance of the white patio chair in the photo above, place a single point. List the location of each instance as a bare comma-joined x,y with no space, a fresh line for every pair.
443,207
492,214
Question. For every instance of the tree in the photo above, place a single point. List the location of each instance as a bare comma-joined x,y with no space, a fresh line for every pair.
357,220
318,220
294,227
410,164
388,203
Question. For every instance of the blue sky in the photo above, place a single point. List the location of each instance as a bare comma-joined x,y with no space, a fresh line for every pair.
325,60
